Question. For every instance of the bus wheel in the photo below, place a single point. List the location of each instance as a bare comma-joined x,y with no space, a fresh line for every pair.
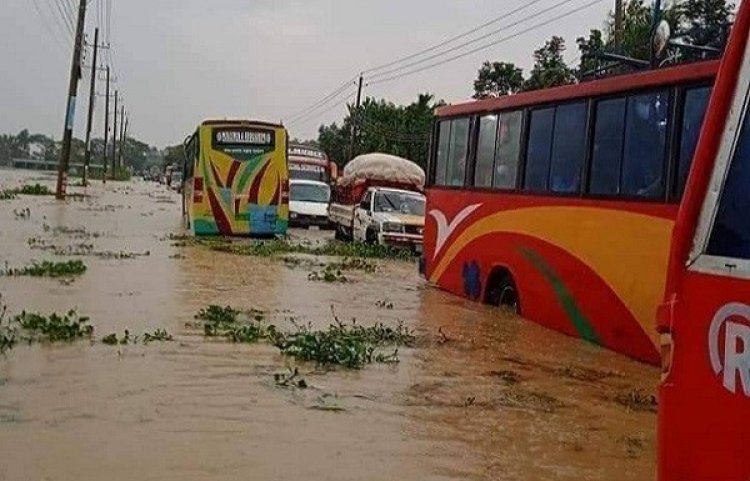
371,236
502,291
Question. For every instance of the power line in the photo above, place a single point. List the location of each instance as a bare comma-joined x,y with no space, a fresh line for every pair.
320,103
473,41
65,14
58,37
308,117
454,38
60,18
487,45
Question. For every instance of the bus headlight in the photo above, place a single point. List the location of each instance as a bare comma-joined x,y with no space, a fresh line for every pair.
392,227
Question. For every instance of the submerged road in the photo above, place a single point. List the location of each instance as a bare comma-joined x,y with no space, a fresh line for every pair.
483,395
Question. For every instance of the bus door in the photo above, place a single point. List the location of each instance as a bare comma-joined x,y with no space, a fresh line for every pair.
704,405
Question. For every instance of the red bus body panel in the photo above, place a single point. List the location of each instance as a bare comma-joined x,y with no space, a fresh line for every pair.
704,427
587,268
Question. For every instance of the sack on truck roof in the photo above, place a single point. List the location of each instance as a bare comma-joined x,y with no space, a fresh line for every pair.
383,167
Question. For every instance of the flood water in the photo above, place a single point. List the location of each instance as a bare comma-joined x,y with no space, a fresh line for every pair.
198,409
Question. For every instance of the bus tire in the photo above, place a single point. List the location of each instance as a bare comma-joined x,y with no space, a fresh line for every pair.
502,291
371,236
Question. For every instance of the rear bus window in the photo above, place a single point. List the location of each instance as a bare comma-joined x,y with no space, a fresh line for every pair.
485,151
730,236
508,150
568,148
539,149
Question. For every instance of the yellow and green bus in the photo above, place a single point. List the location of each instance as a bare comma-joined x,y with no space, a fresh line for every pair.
236,179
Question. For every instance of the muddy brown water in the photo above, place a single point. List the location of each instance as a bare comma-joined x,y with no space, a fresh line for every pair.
485,396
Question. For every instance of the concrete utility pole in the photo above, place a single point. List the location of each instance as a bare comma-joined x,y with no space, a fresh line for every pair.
114,137
70,112
92,97
355,120
122,135
106,131
618,25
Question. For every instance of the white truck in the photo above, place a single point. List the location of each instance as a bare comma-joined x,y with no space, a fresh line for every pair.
379,200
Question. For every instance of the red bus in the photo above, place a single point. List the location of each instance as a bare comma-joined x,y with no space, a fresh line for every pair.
310,163
617,211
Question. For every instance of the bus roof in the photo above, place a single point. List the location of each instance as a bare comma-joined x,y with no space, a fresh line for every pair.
242,123
693,72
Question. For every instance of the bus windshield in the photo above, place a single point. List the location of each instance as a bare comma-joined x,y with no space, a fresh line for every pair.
309,193
399,202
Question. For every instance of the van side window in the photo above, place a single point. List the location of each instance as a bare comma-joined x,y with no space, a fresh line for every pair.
694,109
568,148
539,149
508,148
730,236
644,152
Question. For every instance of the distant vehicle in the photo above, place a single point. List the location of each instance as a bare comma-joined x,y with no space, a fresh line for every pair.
308,203
177,181
310,163
236,179
378,199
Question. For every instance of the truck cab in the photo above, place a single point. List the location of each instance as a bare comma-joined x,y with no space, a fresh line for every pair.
389,216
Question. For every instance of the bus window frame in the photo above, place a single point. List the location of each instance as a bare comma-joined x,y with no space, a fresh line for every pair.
675,95
699,260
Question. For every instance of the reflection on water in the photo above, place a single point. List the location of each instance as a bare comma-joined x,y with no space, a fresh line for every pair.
485,396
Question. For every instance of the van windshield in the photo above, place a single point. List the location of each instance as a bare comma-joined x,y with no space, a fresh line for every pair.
309,193
399,202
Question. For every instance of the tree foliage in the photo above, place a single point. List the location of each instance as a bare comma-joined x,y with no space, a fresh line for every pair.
382,127
697,22
136,154
496,79
550,69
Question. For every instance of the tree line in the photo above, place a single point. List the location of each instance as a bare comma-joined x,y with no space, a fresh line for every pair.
24,145
382,126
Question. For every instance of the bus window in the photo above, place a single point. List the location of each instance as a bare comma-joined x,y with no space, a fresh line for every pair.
730,236
485,151
539,149
568,146
459,147
441,158
606,157
696,100
508,150
645,145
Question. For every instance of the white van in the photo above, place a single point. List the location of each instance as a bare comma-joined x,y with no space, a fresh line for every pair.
308,203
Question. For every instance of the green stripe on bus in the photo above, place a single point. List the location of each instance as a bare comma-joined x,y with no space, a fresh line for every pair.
249,167
564,297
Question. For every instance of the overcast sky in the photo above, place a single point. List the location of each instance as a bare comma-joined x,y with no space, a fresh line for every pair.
182,61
